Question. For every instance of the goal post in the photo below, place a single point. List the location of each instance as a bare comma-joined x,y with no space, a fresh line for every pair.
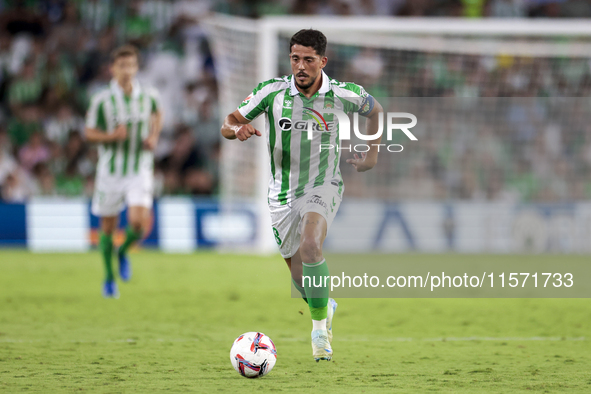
244,167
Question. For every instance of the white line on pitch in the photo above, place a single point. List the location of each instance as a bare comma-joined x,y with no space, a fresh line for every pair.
450,339
357,339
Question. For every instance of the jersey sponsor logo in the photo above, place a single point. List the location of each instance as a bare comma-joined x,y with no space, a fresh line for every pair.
321,124
284,124
302,125
317,116
127,118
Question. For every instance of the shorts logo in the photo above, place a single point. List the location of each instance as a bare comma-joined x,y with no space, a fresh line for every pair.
316,199
277,238
284,124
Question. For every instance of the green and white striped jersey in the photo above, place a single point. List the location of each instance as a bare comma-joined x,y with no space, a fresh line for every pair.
298,164
109,108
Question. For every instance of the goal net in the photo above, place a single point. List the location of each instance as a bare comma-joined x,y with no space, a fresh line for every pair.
531,146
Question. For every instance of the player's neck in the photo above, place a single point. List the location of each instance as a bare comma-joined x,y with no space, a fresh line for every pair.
126,86
311,91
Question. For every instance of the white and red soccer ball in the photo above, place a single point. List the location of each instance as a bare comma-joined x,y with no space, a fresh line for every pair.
253,354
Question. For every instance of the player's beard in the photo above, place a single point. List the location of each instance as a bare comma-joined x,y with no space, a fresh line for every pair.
306,86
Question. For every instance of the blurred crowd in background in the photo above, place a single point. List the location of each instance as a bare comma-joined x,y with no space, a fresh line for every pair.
54,54
428,8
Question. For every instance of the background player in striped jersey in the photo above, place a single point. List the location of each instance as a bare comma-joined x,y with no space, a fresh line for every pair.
305,187
125,119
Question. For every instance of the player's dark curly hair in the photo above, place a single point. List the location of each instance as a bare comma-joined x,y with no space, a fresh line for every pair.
310,38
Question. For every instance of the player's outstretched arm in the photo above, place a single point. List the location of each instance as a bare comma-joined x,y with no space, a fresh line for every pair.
96,135
366,161
237,126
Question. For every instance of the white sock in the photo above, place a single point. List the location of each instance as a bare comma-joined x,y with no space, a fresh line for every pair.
319,324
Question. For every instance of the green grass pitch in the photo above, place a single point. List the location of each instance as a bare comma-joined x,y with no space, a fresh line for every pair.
173,326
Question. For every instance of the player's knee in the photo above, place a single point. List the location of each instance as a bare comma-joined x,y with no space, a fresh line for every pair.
136,226
108,226
310,250
108,231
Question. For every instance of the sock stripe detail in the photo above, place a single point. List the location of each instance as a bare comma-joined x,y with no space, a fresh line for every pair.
315,264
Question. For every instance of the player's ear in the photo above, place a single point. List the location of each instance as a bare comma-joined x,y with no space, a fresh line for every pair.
323,62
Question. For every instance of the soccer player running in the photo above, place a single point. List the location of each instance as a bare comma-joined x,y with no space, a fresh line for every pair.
125,119
305,186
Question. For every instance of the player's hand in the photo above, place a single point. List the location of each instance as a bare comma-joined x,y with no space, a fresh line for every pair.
150,142
246,131
120,133
361,162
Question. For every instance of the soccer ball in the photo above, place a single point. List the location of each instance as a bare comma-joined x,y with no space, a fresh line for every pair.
253,354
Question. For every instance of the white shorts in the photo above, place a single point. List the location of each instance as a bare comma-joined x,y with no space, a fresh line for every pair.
112,193
286,219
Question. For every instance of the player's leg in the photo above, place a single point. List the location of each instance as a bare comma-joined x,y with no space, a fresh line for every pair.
294,263
318,211
291,233
137,219
108,226
107,204
315,280
285,229
313,228
295,266
139,201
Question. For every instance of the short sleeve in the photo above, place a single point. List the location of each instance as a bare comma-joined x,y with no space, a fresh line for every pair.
355,98
155,103
256,102
95,117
